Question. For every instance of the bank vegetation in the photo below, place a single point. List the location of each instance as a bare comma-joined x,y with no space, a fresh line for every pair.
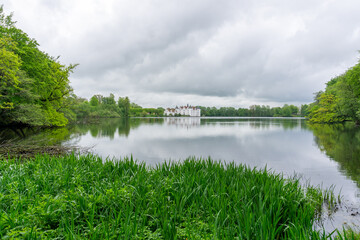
85,196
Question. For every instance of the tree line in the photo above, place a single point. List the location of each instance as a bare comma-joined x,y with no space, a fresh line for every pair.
99,106
255,111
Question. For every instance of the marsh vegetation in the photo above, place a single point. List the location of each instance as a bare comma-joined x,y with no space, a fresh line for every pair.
74,197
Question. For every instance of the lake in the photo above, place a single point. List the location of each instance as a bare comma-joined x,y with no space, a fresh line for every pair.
326,155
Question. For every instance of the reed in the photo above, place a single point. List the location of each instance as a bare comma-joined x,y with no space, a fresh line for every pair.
76,197
348,234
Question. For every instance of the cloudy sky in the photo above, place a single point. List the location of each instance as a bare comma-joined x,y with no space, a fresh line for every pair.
201,52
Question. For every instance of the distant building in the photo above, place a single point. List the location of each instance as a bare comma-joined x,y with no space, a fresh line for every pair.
183,111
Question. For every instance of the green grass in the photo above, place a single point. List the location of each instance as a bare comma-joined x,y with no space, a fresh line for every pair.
86,197
347,234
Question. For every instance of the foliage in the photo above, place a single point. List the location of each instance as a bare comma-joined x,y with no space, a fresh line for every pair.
94,101
33,85
102,107
73,197
106,107
146,112
124,106
340,101
9,67
252,111
327,109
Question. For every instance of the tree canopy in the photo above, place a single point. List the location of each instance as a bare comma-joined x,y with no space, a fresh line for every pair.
33,85
254,111
340,101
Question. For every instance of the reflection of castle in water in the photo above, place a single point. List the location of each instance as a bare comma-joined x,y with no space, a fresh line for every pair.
187,122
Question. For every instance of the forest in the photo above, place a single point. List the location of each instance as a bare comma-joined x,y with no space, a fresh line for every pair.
255,111
107,107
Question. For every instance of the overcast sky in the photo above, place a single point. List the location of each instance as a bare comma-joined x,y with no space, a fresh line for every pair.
200,52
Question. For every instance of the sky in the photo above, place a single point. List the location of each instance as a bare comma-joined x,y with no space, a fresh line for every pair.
163,53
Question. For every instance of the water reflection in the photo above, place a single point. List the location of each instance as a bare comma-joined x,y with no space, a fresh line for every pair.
286,145
341,143
188,122
36,136
108,128
284,123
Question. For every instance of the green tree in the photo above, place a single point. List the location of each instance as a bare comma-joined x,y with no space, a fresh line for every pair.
94,101
304,110
124,106
326,111
9,78
349,93
277,111
294,110
286,111
341,99
34,86
109,101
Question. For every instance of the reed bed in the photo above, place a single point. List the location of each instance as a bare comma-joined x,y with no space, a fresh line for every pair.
86,197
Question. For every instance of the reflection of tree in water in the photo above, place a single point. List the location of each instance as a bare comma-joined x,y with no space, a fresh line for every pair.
340,142
135,122
124,127
260,123
97,128
108,129
286,124
94,130
109,126
12,133
35,136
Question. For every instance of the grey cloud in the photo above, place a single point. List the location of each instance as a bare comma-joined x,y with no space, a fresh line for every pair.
270,51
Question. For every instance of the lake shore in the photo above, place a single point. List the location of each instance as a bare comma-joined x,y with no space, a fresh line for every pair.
87,196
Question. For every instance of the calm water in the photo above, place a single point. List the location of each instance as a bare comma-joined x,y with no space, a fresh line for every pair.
327,155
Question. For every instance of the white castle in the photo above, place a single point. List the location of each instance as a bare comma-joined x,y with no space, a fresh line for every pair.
183,111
